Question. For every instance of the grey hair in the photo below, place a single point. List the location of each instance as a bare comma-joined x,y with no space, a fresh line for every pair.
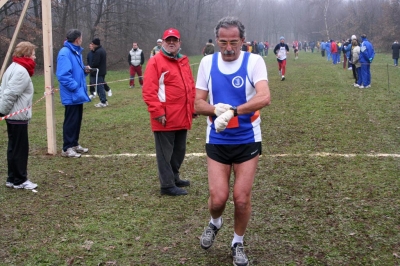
73,34
229,22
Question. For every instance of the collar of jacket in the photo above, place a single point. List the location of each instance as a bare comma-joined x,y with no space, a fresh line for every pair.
95,49
177,56
74,48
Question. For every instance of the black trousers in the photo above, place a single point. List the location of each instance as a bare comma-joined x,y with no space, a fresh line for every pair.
354,72
72,125
170,153
92,88
17,151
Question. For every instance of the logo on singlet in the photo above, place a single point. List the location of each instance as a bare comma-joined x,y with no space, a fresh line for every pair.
237,82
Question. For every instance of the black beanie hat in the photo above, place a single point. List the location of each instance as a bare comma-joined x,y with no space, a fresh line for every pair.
96,41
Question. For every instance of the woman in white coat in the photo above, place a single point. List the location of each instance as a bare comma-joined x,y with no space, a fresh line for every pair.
16,94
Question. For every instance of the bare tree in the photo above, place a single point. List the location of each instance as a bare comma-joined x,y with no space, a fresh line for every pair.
120,22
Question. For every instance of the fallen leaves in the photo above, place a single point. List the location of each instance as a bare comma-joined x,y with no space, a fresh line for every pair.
88,245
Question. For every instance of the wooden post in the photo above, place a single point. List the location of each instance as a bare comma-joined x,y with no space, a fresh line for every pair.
14,38
48,76
2,3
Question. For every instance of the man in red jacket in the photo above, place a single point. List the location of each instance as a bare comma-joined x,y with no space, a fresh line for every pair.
169,93
334,52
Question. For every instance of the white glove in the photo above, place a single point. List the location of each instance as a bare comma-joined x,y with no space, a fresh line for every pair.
222,121
221,108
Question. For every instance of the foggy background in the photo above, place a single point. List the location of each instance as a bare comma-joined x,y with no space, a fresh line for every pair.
118,23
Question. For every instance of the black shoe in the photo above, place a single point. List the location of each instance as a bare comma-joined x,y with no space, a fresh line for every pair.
173,191
182,183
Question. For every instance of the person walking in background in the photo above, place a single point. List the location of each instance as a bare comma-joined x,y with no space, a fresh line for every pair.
295,46
356,62
232,86
16,93
328,50
281,50
322,48
353,68
367,54
334,52
339,51
99,61
135,60
266,44
169,93
346,53
92,86
312,46
249,47
305,46
71,75
395,52
254,46
209,48
156,48
261,48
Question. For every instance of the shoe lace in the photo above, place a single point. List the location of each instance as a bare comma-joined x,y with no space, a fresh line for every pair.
209,234
240,252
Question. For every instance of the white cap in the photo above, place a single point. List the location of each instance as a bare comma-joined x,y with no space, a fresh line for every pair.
353,37
159,40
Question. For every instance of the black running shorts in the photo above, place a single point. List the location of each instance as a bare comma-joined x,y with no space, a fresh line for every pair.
229,154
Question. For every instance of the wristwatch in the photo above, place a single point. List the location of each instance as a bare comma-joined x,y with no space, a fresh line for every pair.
234,108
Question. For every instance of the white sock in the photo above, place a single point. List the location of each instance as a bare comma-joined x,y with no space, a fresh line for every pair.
217,222
237,239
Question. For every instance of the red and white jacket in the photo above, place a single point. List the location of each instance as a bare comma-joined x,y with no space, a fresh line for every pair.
169,90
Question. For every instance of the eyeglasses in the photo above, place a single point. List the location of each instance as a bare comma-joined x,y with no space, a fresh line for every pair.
171,39
232,43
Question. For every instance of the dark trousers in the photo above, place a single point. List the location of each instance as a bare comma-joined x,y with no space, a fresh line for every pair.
92,87
17,151
72,125
100,87
170,153
323,53
355,76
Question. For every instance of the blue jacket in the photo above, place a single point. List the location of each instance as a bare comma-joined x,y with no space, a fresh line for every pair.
322,46
71,75
367,53
328,47
347,49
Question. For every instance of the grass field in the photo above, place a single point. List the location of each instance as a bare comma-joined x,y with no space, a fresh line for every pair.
327,190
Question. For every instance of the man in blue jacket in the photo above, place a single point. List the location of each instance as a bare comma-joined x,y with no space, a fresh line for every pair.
71,75
367,54
328,50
